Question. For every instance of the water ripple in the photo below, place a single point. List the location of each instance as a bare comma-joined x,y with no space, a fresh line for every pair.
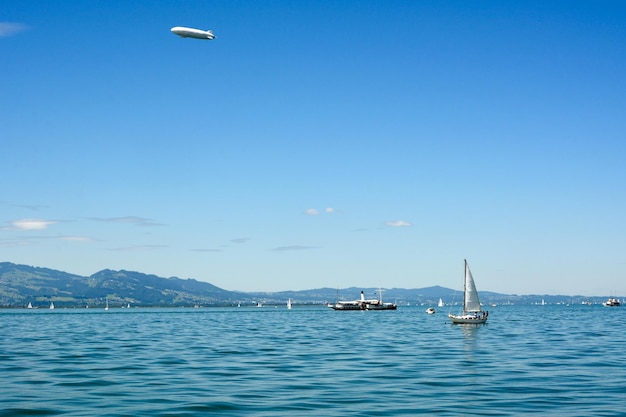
313,361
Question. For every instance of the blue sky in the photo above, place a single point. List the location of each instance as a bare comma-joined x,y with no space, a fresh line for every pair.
318,144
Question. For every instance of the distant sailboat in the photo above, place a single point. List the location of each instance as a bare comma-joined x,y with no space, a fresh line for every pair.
440,304
472,311
289,304
106,308
51,305
29,305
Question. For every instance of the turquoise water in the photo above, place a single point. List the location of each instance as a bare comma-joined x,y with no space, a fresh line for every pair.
547,360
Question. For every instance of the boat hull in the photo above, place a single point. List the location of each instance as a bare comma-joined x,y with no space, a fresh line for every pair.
346,306
381,307
351,307
467,319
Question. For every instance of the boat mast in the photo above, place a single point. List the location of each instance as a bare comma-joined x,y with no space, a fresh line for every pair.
464,286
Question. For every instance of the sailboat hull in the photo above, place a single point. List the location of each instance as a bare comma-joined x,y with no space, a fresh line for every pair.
467,319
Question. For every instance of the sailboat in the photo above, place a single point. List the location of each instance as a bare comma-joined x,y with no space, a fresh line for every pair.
440,304
472,312
29,305
289,304
51,305
107,306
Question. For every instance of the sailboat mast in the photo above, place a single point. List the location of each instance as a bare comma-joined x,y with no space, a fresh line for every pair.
464,286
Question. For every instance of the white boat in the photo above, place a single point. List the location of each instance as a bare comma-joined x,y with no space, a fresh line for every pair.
612,302
289,304
472,311
106,308
363,304
430,310
378,304
440,304
51,305
29,305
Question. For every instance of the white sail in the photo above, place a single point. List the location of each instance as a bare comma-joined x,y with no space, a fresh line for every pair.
29,305
51,305
440,304
289,304
470,300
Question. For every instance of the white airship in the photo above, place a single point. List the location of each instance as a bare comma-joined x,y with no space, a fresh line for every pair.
193,33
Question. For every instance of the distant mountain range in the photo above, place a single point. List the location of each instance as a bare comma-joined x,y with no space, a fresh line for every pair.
22,284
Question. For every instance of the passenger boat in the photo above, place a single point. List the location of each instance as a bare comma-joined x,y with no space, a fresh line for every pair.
363,304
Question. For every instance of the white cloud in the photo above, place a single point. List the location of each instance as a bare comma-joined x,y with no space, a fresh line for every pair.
398,223
31,224
315,212
9,29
